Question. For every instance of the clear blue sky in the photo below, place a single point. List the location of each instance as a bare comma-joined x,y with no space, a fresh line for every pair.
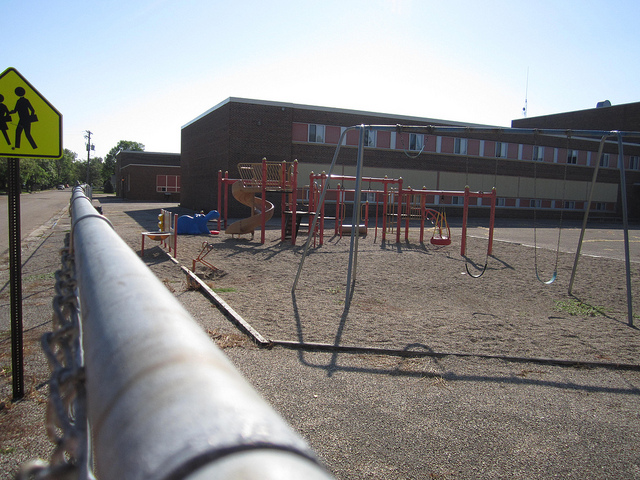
140,69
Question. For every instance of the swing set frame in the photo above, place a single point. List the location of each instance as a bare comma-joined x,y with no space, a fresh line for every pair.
477,132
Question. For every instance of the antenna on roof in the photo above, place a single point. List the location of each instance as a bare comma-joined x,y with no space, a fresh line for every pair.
526,94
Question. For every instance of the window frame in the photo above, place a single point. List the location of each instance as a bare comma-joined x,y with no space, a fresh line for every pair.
318,134
460,146
537,155
416,139
370,138
165,188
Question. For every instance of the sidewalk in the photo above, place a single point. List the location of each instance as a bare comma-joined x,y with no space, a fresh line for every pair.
370,416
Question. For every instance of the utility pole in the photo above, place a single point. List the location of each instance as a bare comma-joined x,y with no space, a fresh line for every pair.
89,148
526,95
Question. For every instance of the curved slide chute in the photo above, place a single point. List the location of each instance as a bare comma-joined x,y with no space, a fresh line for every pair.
246,196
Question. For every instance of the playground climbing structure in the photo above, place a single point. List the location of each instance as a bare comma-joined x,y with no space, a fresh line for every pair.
260,178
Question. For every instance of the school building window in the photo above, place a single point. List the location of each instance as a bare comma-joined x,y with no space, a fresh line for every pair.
501,149
168,183
572,157
316,133
416,141
460,146
634,163
604,160
538,153
369,138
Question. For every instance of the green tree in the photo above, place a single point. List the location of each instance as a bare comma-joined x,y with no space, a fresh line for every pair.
95,171
43,172
36,173
109,165
64,166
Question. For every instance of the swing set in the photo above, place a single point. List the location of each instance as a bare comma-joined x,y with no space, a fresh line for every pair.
441,232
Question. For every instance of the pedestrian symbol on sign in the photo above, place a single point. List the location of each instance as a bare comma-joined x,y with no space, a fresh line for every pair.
5,118
31,127
26,115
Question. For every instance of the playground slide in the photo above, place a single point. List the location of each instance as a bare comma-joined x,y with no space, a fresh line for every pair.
246,196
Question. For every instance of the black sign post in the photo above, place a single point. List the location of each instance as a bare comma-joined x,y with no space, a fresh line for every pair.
15,266
35,119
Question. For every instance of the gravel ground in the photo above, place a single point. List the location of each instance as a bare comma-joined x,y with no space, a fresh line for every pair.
371,416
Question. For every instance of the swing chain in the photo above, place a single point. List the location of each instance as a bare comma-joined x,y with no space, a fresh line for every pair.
554,276
404,148
66,420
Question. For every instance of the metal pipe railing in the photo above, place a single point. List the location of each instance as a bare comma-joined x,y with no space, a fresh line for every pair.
163,401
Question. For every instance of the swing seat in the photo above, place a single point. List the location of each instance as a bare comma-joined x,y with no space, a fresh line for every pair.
157,236
441,232
440,241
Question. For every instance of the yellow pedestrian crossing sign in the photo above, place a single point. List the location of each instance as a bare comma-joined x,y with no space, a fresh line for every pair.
30,125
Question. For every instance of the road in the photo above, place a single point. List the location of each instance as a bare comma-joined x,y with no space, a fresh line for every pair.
600,240
35,210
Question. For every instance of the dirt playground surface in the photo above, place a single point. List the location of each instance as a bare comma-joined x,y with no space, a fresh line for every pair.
419,297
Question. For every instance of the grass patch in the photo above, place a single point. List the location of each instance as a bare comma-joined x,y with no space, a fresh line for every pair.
580,309
40,276
225,290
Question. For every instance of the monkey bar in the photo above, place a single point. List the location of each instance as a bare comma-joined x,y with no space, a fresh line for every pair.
401,206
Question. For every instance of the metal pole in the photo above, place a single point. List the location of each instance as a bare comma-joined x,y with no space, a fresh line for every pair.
625,223
263,200
319,207
88,136
408,215
465,216
219,197
226,197
15,277
293,183
385,202
399,210
586,213
492,220
423,199
355,227
593,135
163,401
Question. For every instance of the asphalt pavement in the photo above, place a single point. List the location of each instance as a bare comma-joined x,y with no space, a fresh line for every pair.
36,211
